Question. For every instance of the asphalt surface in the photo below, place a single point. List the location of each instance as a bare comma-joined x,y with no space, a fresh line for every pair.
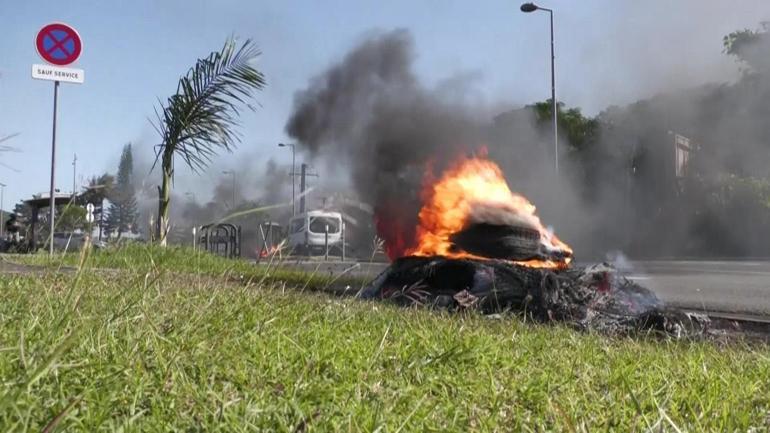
741,287
722,286
9,268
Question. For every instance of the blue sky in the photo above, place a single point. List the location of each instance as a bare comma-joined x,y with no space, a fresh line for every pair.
608,52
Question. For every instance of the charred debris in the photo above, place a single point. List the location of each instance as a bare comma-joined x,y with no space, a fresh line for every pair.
594,298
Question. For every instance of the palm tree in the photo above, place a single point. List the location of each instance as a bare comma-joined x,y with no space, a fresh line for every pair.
200,119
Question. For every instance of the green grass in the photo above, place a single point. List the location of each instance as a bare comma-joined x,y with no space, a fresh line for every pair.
148,349
143,258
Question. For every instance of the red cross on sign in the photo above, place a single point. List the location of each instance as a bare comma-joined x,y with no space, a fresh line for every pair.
58,44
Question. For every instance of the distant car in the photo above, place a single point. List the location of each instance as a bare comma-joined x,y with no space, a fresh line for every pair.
308,232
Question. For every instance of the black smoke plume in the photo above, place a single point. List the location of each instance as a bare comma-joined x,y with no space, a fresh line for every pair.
372,114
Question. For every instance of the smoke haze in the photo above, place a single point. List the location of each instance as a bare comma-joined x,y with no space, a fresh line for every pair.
619,189
205,198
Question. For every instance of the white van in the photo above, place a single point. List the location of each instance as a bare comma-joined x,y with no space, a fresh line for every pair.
307,232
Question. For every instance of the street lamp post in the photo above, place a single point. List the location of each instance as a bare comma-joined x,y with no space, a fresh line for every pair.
231,172
531,7
293,174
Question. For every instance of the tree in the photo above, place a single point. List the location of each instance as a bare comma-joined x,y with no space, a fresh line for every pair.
750,46
98,189
70,218
24,215
200,119
123,213
580,131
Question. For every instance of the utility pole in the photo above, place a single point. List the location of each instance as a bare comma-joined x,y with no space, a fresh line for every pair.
302,188
2,212
231,172
101,218
194,203
302,185
293,175
74,176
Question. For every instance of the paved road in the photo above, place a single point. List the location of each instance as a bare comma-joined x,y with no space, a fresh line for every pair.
729,286
7,268
725,286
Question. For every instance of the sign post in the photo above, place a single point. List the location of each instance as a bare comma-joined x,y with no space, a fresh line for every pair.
59,45
52,209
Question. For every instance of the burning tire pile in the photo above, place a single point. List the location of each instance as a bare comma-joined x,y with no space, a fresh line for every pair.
593,298
480,246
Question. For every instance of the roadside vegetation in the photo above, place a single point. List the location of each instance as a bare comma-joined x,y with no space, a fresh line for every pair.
142,258
208,344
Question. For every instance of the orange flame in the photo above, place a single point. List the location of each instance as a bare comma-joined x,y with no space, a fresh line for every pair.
268,252
468,184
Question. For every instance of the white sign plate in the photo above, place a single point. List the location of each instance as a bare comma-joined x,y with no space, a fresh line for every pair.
90,212
58,73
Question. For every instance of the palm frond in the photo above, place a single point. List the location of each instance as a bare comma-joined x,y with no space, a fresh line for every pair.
8,137
5,148
201,118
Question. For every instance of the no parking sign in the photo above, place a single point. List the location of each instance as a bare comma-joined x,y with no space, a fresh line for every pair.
60,45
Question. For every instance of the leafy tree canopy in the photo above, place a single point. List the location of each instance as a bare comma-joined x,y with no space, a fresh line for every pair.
751,47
